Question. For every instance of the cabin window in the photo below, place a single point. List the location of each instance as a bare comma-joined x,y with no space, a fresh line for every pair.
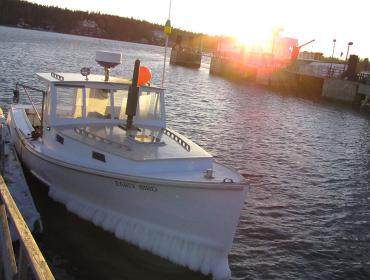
69,102
149,105
79,102
98,105
120,100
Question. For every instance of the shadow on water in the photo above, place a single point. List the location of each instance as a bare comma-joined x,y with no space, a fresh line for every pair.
76,249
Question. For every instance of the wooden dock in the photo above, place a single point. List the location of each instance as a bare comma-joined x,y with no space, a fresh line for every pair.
16,203
12,172
29,256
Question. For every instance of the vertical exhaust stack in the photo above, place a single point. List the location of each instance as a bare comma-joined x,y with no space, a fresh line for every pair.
108,60
133,96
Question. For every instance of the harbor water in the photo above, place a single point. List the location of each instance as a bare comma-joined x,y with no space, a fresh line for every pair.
307,213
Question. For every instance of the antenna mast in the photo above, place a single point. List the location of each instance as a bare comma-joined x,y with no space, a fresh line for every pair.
167,30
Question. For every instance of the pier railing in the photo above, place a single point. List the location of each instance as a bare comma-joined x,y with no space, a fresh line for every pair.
364,77
316,70
29,253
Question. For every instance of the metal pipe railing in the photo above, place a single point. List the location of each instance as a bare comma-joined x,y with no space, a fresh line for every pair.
25,87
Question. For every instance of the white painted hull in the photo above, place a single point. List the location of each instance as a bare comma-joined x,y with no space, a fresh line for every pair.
191,225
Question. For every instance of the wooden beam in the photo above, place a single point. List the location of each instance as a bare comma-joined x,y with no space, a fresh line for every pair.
36,261
2,145
7,253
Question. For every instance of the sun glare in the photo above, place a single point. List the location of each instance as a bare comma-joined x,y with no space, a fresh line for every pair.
253,28
257,39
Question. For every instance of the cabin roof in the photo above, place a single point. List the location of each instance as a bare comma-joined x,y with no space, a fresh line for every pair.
78,78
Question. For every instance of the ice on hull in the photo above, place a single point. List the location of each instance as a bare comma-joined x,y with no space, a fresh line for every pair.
196,232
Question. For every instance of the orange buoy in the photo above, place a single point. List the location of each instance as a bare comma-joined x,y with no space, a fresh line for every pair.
145,75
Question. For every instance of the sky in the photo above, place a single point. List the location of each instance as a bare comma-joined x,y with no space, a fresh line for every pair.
252,21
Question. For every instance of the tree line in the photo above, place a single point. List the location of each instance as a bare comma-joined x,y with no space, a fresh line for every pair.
29,15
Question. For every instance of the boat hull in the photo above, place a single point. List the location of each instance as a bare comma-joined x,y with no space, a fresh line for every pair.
192,225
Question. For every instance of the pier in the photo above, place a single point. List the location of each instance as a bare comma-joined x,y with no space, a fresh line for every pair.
322,80
307,75
187,51
232,68
185,57
347,91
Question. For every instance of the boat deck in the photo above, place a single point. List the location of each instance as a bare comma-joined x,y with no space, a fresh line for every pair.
141,144
182,159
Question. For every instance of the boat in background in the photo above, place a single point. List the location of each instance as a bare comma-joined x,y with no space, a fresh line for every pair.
102,146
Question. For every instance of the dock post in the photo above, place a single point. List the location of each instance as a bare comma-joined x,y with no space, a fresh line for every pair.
22,264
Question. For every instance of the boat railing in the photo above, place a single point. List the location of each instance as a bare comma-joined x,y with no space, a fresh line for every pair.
178,139
29,256
26,88
91,135
39,129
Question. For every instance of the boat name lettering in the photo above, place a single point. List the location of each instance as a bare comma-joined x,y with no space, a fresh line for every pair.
124,184
135,186
148,188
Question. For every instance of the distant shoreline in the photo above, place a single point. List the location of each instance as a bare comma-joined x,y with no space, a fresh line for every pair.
82,35
27,15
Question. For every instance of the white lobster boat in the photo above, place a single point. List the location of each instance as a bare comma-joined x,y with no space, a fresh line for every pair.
102,146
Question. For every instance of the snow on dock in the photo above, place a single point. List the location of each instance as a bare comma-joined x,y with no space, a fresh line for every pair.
12,172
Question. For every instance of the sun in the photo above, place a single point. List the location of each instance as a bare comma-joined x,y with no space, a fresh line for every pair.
251,24
255,34
258,39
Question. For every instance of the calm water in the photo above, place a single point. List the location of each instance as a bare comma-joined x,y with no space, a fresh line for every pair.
308,211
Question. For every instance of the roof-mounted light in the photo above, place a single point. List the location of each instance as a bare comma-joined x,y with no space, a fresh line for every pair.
85,71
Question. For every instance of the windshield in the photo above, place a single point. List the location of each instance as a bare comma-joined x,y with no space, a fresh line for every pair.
149,105
93,103
77,102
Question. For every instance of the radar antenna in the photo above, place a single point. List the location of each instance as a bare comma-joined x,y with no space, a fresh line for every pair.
108,60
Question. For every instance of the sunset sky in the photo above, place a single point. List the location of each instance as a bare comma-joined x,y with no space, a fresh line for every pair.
252,21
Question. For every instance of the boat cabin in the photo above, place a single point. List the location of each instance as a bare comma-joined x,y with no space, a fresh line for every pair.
73,100
115,122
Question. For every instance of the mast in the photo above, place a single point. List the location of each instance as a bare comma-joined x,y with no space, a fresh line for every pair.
133,96
167,30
